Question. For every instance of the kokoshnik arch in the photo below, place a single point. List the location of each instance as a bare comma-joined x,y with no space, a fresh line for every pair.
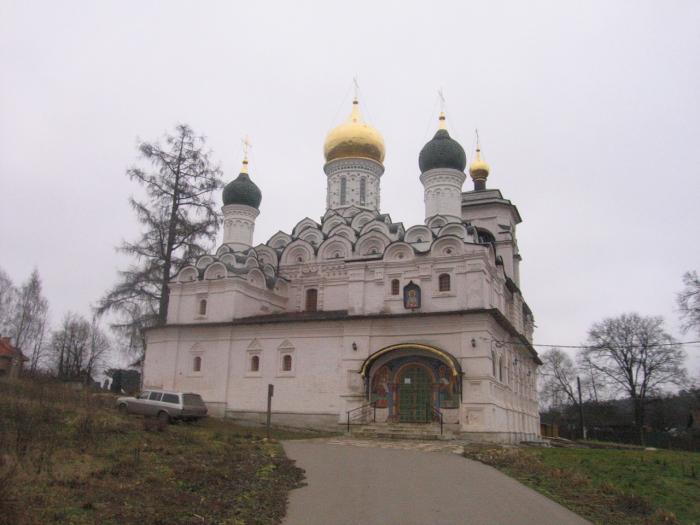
356,308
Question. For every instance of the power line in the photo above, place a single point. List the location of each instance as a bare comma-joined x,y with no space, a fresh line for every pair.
592,346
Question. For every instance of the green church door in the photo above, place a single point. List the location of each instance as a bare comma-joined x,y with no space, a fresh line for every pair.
414,395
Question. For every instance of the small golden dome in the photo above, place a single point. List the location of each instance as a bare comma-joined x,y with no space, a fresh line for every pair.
354,139
478,169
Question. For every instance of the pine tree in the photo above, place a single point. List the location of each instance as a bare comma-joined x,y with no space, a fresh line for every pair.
179,219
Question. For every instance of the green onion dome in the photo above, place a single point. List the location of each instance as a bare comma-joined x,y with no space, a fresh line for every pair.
442,151
242,190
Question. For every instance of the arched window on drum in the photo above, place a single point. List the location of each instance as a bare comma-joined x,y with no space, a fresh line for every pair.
343,190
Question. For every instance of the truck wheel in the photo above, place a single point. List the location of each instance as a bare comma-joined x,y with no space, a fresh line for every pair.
122,408
164,417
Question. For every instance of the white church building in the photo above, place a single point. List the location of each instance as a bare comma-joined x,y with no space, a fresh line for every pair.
357,316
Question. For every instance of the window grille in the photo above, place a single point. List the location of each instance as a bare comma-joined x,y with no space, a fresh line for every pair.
395,287
311,300
444,282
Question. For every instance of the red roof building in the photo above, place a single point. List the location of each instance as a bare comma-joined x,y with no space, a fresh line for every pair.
11,358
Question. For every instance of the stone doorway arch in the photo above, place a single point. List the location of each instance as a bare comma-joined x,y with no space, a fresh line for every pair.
409,381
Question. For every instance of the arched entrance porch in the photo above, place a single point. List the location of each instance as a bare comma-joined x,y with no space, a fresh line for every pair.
410,383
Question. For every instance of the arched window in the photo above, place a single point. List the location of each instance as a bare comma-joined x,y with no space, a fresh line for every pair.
363,190
197,364
500,369
493,363
203,307
485,236
255,363
395,287
343,190
444,282
287,363
311,300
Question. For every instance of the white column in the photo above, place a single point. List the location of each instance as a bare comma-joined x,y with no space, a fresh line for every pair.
442,192
239,224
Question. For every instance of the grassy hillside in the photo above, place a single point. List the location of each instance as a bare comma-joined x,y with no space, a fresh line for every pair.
68,457
608,486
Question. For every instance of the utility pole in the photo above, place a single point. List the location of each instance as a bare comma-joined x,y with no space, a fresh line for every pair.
580,409
270,393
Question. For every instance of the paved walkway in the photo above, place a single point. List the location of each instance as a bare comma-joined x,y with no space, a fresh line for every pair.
363,482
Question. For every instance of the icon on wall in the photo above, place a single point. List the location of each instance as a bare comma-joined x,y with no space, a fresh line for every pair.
411,296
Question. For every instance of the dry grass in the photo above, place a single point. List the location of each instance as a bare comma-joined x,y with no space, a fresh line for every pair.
69,457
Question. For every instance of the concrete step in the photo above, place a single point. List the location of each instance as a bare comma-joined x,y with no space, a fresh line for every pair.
401,431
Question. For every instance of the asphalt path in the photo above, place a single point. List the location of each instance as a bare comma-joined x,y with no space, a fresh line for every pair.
367,485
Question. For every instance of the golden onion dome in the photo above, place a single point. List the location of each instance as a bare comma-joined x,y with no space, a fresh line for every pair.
478,169
354,139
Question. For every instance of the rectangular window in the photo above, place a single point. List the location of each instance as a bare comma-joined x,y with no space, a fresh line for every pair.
444,282
287,363
311,300
192,400
155,396
395,287
171,398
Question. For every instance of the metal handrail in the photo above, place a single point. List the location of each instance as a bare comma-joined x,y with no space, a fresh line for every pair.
437,412
373,405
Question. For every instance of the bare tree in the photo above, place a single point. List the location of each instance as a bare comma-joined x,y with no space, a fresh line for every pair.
70,346
178,216
99,347
27,318
7,298
39,348
635,355
590,383
689,302
558,375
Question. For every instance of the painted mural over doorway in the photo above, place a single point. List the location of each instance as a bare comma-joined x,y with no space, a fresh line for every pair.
410,386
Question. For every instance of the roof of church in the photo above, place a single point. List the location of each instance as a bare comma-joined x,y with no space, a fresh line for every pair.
442,151
350,234
242,190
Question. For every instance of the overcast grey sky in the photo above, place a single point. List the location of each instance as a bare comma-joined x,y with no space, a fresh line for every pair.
588,112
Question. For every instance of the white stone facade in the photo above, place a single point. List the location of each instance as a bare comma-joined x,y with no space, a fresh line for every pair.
358,312
234,306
